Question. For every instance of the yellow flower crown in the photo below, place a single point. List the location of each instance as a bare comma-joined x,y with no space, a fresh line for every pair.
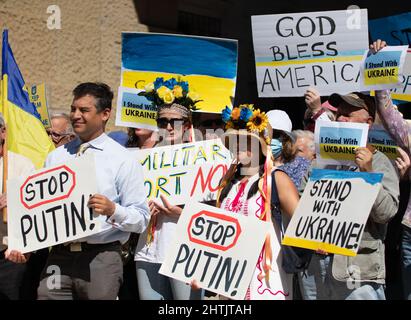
246,117
171,91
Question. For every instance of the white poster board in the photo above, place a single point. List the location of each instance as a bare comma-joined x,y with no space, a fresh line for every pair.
298,50
333,211
49,207
384,69
335,142
135,111
184,172
217,248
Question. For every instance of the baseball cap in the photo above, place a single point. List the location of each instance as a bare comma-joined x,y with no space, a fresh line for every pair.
279,120
355,99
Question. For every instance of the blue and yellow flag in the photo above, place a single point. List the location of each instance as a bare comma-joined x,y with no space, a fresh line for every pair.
26,135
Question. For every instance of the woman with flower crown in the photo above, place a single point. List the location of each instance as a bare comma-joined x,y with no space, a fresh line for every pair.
174,120
246,189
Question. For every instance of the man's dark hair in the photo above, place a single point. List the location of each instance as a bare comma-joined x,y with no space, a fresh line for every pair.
100,91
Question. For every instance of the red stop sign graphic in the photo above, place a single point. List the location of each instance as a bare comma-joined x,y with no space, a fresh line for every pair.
47,186
214,230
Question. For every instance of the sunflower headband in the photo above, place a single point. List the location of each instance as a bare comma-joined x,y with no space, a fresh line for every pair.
246,117
169,92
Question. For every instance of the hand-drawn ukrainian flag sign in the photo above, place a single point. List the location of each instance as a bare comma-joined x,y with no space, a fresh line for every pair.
37,95
209,65
333,210
321,49
383,70
335,142
382,141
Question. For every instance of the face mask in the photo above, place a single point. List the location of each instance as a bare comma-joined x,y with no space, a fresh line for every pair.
276,147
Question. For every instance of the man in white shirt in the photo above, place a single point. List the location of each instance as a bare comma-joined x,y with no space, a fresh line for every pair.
92,267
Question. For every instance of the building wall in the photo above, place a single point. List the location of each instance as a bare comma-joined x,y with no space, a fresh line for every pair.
86,48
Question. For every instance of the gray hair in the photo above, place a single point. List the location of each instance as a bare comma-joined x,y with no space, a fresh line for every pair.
308,135
66,117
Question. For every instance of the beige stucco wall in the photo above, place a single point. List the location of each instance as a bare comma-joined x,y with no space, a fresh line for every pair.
86,48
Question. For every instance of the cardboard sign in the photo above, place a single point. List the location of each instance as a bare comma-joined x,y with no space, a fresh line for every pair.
299,50
384,69
135,111
333,211
50,206
184,172
209,65
37,95
217,248
382,141
335,142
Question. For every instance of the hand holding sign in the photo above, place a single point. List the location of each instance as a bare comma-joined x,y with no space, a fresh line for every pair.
363,159
102,205
168,209
313,100
377,46
16,256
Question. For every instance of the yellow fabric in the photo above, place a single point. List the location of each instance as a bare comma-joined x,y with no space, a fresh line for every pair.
25,133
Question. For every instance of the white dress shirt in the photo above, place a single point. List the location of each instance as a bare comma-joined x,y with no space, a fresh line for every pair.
120,179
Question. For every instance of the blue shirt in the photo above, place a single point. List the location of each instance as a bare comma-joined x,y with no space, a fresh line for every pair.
120,179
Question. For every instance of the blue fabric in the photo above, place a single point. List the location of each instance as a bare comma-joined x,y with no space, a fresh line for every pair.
152,285
15,92
318,283
406,261
119,136
120,179
296,169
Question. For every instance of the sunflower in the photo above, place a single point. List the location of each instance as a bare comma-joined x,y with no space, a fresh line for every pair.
258,121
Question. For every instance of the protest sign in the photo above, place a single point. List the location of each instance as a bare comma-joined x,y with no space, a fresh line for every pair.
384,69
335,142
209,65
299,50
37,95
395,30
135,111
217,248
50,206
404,91
184,172
382,141
333,210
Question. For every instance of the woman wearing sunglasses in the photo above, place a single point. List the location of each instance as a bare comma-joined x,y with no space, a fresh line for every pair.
174,121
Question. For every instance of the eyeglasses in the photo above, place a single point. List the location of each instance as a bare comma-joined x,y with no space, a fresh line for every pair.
163,122
57,135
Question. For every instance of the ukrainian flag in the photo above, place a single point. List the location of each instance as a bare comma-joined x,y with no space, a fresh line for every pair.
26,135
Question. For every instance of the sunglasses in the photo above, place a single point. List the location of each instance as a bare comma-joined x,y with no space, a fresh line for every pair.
163,122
